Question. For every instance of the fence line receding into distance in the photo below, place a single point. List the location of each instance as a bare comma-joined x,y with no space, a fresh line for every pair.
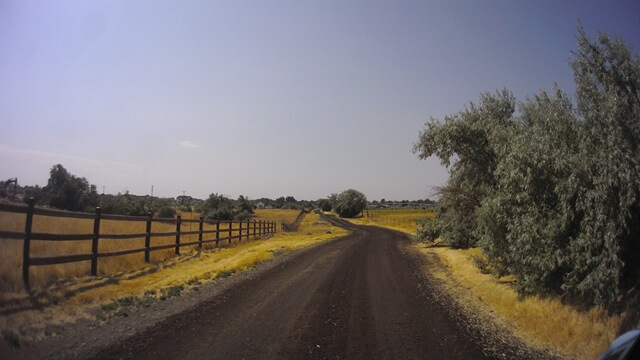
246,229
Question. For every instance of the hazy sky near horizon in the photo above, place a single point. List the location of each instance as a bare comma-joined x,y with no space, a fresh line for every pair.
267,98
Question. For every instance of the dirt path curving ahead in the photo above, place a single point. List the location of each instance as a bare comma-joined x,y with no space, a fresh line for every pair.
357,297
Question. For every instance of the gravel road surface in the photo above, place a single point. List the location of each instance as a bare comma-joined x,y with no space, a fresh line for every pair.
358,297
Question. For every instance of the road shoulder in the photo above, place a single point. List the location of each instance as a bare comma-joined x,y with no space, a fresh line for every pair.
480,323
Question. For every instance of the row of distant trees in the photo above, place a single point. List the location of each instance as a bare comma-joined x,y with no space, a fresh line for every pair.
549,188
70,192
285,202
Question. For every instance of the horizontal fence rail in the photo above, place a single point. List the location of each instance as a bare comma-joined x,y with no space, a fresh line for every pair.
223,232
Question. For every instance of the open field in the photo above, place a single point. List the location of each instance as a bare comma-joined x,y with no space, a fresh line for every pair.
398,219
277,215
536,320
68,301
42,276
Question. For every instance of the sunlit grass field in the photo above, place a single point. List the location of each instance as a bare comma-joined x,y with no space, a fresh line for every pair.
11,250
277,215
540,321
398,219
75,297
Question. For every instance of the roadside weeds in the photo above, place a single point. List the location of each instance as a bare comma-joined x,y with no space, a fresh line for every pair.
540,322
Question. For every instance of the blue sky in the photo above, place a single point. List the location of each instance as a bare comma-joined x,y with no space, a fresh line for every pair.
267,98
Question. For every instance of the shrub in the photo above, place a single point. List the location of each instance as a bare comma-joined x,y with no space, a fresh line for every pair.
123,204
243,205
324,204
68,192
350,203
167,212
243,215
428,230
218,207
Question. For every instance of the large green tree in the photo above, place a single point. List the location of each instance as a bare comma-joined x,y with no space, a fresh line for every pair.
68,192
467,143
551,193
607,179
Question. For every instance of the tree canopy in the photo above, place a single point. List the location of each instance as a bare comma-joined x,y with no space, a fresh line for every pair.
549,189
68,192
350,203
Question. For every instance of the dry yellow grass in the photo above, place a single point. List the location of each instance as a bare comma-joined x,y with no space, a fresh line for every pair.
277,215
75,298
540,321
42,276
398,219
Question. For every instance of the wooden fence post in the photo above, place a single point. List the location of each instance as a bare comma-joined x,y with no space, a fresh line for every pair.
230,230
254,229
240,231
94,243
178,223
217,232
200,233
27,242
147,239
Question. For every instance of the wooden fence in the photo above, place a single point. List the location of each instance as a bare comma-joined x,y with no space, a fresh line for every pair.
245,229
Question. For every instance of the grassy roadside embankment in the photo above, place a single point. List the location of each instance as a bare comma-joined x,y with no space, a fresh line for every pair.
538,321
78,298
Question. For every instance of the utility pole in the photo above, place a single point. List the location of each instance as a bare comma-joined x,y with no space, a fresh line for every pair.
151,190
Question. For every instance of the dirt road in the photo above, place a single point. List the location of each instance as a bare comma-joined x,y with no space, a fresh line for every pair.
358,297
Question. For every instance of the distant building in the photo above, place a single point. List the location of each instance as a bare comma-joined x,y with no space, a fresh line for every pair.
268,207
259,205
